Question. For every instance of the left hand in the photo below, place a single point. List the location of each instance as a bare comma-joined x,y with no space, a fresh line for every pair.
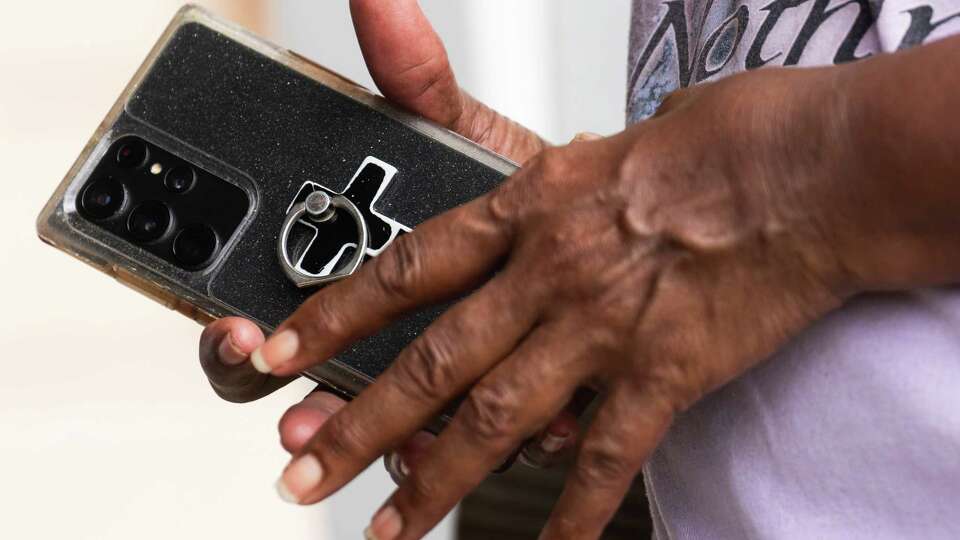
653,266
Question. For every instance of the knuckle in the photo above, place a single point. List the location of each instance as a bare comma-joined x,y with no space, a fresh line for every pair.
569,527
342,438
563,250
571,267
525,193
420,490
434,75
673,382
323,318
605,332
491,413
604,465
481,127
555,242
426,370
552,164
518,196
399,269
672,100
501,205
534,163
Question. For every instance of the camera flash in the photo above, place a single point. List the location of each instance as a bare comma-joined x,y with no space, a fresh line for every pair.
156,168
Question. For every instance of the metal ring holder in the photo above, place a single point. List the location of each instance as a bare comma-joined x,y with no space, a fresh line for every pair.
318,208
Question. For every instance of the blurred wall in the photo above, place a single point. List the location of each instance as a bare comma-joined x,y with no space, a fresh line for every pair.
109,430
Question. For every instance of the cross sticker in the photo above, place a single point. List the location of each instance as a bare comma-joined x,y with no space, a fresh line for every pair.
323,248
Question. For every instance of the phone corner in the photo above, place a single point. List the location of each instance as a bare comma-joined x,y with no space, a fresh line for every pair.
190,11
42,225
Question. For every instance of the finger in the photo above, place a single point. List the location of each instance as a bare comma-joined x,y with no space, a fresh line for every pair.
443,258
440,364
510,404
584,136
225,347
303,420
558,440
621,437
553,443
409,64
406,57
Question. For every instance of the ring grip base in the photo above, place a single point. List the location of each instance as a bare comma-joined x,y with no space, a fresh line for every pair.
320,207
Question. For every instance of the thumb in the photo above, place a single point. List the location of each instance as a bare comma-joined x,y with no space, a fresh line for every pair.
409,64
407,59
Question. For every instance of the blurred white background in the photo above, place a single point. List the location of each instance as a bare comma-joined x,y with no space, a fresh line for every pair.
109,430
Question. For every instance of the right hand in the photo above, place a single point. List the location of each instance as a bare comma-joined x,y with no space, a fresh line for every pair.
409,64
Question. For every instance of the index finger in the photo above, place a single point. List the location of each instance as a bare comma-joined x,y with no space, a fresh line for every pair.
443,257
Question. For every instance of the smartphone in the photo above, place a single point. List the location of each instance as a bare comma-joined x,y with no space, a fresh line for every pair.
196,174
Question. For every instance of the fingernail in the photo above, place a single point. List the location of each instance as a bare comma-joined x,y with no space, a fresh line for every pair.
586,136
285,494
278,350
553,443
301,477
386,525
229,353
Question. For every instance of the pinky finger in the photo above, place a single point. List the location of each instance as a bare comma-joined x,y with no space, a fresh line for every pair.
624,433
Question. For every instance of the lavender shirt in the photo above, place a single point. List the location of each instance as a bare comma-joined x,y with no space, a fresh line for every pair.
852,430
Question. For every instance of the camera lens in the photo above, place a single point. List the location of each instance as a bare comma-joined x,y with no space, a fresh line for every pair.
180,179
149,221
195,245
131,153
102,198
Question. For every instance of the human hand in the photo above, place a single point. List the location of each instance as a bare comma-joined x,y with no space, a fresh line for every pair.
652,266
409,64
301,422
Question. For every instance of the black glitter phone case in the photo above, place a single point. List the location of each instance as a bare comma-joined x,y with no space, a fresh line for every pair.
276,126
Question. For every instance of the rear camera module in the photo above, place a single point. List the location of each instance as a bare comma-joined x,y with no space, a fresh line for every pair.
131,154
180,179
149,221
149,197
102,198
195,245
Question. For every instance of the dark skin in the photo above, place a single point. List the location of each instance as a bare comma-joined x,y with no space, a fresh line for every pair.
653,266
408,62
